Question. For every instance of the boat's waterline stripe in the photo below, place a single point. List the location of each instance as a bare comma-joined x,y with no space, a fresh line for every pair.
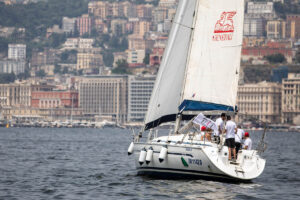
179,154
169,142
170,170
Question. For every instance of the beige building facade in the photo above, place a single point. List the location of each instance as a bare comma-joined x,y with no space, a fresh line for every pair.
260,101
104,96
89,59
291,99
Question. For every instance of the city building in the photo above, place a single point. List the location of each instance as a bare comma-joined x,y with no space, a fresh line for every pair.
276,29
101,25
17,51
54,29
12,66
261,9
15,94
129,9
135,57
104,96
54,99
156,56
118,26
290,99
293,26
139,42
85,43
270,48
142,27
19,94
25,114
254,26
144,11
84,24
68,24
89,59
261,101
167,3
46,57
118,56
100,9
82,43
139,94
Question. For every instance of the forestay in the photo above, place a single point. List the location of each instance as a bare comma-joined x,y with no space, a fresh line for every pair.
212,72
166,94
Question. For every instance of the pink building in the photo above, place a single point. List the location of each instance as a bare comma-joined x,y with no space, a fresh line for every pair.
84,24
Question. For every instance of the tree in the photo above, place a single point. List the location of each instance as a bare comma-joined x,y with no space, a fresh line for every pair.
276,58
147,59
108,58
122,67
7,78
41,73
65,70
68,56
298,56
57,69
24,75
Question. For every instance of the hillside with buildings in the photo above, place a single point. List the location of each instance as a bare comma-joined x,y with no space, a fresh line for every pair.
99,59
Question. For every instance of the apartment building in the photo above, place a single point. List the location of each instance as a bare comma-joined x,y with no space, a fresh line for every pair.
104,96
291,98
139,94
89,59
17,51
260,101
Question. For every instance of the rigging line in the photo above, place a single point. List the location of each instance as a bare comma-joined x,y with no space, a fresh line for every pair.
183,25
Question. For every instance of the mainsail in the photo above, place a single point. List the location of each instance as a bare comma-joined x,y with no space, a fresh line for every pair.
166,95
212,71
200,68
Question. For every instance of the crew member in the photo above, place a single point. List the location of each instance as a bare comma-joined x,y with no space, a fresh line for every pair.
248,142
220,124
238,139
230,130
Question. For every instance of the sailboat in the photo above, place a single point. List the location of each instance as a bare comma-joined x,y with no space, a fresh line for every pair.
198,75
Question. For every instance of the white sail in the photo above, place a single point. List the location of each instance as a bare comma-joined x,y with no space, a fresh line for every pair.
212,72
166,94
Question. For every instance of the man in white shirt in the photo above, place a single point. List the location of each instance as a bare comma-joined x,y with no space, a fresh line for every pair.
248,142
220,124
230,130
238,139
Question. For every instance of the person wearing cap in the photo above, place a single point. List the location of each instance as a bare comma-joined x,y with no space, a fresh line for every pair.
220,122
248,142
230,130
205,133
238,139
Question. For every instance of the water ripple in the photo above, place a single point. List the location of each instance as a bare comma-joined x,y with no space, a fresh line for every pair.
92,164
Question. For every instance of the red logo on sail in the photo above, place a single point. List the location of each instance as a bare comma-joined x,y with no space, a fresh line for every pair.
224,27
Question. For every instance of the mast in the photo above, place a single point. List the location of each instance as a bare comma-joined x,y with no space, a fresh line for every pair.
179,116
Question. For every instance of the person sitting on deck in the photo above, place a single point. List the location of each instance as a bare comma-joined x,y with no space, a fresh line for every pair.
238,139
220,122
248,142
230,130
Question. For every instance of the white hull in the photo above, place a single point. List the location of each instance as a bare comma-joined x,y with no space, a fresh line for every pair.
202,159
